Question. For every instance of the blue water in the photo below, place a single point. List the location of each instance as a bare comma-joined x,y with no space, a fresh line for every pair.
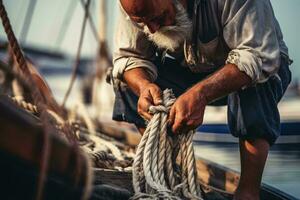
282,168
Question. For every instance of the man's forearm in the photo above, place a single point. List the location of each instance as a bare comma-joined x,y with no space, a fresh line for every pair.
136,79
224,81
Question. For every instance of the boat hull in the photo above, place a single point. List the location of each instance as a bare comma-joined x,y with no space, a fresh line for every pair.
219,133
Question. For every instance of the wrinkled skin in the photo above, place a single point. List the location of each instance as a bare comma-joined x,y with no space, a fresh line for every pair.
150,95
187,112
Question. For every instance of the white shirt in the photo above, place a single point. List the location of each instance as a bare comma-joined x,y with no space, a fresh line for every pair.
248,27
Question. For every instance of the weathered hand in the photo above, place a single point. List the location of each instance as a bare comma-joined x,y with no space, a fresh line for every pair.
187,112
150,95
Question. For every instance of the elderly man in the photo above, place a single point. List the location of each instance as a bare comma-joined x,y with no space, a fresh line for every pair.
208,52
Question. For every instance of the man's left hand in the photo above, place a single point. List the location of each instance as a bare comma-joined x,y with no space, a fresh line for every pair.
187,112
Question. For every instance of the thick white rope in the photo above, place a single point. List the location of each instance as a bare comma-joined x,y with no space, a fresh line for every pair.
155,175
23,104
100,144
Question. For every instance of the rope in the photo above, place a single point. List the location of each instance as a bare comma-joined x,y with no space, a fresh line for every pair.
155,174
77,59
99,144
91,22
24,74
36,95
65,24
27,21
23,104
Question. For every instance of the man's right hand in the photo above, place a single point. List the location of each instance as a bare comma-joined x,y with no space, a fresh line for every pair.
150,95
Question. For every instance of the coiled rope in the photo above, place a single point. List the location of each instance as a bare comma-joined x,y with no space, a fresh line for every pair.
155,173
100,146
25,105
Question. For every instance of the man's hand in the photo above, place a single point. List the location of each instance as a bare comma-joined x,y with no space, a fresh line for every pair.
187,112
150,95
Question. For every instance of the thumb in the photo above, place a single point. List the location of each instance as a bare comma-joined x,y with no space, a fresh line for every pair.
156,95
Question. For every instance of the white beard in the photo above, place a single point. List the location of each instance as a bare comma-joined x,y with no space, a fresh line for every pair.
172,37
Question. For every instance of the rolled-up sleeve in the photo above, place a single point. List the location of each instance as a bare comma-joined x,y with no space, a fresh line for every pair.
249,29
132,49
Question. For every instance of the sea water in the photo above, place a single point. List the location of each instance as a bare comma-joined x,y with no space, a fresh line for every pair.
282,169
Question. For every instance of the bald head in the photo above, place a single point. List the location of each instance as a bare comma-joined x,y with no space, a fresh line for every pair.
144,8
152,13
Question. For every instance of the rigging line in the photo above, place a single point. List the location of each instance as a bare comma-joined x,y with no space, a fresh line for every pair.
102,20
27,21
77,59
19,16
36,96
91,22
65,25
25,75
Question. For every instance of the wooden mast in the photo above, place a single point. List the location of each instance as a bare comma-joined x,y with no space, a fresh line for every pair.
104,62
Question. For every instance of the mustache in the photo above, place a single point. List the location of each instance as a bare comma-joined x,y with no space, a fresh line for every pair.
172,37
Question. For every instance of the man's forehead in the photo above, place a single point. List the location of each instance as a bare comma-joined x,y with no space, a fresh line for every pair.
143,8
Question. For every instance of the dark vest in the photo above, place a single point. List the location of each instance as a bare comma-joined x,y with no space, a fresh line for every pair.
208,43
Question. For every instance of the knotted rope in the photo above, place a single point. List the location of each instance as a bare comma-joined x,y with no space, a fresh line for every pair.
155,172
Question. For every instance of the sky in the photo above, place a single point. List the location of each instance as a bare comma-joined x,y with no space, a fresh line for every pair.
48,18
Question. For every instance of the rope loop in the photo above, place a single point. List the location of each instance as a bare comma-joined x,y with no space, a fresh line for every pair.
158,109
155,171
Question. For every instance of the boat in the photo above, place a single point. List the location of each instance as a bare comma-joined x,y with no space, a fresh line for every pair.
215,129
20,150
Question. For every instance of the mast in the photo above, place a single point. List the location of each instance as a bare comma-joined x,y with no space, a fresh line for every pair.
102,21
65,25
102,103
27,21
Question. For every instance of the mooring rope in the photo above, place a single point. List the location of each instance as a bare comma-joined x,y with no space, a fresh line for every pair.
99,142
25,105
155,172
36,95
77,59
24,74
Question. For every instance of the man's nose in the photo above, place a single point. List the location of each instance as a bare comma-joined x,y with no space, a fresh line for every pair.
153,27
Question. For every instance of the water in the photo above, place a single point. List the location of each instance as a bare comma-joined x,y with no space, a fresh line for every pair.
282,168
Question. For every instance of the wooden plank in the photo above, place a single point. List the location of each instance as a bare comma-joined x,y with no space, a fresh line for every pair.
120,131
217,176
22,136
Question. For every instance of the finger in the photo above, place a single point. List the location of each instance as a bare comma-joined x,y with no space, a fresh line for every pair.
172,116
156,95
145,112
143,108
147,116
178,124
